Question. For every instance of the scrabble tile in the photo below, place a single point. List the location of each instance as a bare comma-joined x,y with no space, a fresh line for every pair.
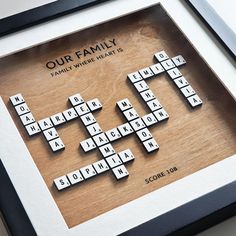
174,73
58,119
106,150
94,129
149,119
87,145
168,64
88,171
113,161
88,119
17,99
56,145
76,99
151,145
75,177
161,56
194,100
154,105
157,68
113,134
146,73
50,134
70,114
161,114
137,124
144,134
94,104
187,91
100,139
61,182
32,129
134,77
124,104
120,172
101,166
22,109
141,86
45,123
147,95
126,155
27,118
181,82
178,60
130,114
82,109
125,129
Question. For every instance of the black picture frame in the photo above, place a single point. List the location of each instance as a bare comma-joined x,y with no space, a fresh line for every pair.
43,13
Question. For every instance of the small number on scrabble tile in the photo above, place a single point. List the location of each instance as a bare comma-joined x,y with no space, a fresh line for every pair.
70,114
113,161
146,73
147,95
144,134
126,155
130,114
76,99
94,129
88,171
100,139
32,129
187,91
194,100
134,77
174,73
181,82
27,118
107,150
87,145
58,119
179,60
88,119
56,145
61,182
50,134
120,172
161,56
113,134
75,177
82,109
45,123
168,64
94,104
141,86
157,68
137,124
22,109
149,119
125,129
100,166
124,104
151,145
154,104
17,99
161,114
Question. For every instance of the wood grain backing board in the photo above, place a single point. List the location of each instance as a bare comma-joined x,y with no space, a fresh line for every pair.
190,140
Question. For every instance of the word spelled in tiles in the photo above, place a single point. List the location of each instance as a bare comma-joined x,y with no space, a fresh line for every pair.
102,140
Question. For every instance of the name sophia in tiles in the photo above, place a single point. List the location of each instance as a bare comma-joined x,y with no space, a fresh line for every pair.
82,53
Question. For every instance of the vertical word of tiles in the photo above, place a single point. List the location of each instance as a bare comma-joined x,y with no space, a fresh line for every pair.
102,140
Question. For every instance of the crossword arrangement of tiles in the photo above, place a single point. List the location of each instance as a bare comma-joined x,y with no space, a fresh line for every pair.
100,139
